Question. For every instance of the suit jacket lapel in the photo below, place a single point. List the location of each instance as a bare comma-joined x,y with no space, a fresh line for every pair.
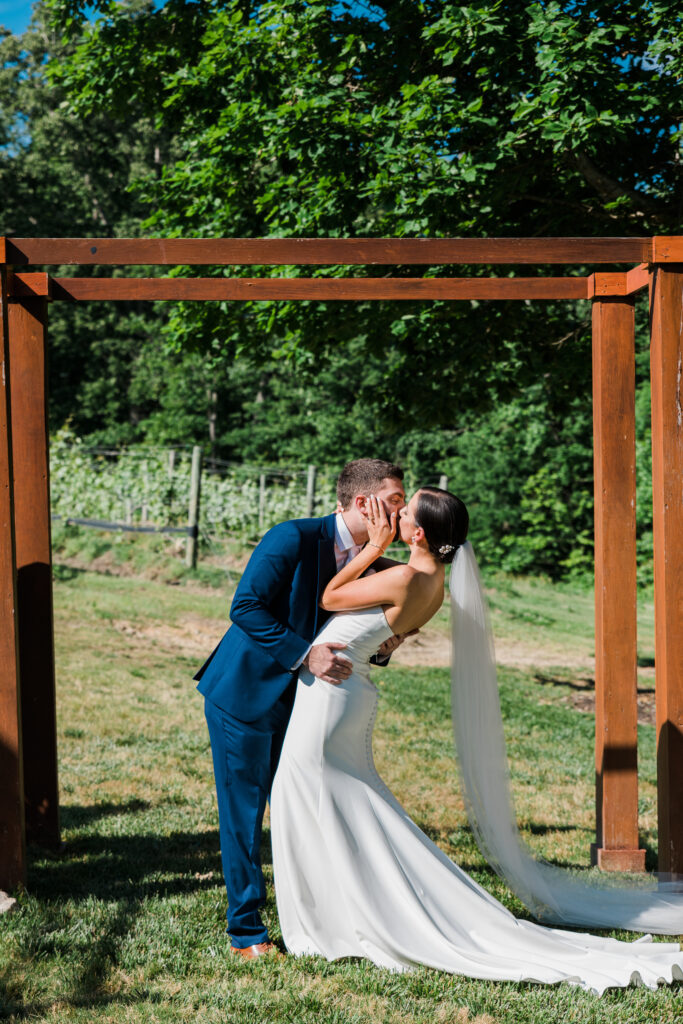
327,566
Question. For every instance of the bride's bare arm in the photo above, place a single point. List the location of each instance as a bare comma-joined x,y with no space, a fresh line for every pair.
388,588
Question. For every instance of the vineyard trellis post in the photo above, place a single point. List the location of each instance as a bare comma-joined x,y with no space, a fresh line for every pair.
193,515
310,491
261,501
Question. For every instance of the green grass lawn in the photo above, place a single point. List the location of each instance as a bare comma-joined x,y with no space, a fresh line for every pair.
126,923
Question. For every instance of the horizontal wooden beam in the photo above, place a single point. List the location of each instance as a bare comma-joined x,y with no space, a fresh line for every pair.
603,284
323,251
29,286
667,249
244,289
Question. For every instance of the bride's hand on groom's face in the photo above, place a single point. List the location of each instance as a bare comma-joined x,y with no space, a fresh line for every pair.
324,662
381,530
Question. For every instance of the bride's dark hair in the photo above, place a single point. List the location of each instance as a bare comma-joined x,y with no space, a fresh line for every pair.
444,519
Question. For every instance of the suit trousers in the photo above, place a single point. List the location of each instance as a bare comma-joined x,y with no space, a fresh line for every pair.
245,757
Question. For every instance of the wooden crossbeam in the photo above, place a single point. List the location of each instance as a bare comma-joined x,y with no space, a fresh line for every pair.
637,278
323,251
603,285
29,286
606,284
667,249
243,289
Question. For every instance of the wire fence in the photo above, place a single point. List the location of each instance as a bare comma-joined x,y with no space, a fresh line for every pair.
174,491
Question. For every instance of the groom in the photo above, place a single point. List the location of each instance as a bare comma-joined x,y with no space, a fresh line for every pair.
249,681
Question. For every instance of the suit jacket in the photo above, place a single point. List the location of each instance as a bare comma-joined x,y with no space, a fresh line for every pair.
275,616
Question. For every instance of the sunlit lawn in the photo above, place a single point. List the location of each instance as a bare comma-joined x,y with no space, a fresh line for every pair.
126,923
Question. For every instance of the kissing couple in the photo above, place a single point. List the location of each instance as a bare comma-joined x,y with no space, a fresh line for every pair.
290,708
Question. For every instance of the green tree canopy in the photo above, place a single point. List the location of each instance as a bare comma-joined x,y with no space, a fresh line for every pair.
321,118
414,118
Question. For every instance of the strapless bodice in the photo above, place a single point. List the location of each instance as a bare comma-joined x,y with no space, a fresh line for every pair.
361,631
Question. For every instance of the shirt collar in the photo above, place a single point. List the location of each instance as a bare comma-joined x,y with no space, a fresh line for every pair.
342,535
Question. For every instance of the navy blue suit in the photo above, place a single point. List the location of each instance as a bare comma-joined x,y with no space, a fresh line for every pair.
248,683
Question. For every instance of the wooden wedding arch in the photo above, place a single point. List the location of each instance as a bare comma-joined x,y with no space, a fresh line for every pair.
28,749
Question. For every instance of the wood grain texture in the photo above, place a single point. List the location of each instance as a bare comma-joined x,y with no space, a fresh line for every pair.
314,289
667,249
616,711
666,363
29,286
324,251
637,278
604,284
12,833
28,362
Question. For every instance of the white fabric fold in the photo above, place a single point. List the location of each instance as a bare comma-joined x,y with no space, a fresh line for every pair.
554,895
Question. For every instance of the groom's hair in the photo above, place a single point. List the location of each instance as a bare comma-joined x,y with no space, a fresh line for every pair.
364,476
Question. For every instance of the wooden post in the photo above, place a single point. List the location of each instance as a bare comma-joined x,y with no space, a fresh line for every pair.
171,464
144,513
666,358
12,832
616,709
30,440
261,501
193,517
310,492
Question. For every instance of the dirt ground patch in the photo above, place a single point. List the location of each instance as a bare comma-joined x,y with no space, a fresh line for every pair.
577,686
196,637
432,647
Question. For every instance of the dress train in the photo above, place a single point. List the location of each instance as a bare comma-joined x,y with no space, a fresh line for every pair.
355,876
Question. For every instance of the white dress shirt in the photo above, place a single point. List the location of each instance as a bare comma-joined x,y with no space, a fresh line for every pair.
345,549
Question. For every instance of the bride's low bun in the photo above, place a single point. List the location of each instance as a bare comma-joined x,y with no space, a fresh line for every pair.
445,521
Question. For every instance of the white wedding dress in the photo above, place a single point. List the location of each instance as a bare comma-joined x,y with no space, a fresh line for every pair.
354,876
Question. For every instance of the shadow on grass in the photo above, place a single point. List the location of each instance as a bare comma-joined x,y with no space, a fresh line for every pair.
587,683
126,867
76,815
573,684
544,830
92,967
18,1009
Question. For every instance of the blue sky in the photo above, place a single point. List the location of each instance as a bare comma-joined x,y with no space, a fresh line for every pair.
15,14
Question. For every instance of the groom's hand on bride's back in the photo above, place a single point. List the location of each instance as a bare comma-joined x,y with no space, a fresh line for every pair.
390,645
324,662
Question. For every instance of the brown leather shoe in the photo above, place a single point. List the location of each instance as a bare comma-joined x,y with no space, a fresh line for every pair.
261,949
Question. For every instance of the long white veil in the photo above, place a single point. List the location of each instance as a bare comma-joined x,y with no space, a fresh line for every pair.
554,895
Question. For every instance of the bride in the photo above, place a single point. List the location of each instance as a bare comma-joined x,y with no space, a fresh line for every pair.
354,876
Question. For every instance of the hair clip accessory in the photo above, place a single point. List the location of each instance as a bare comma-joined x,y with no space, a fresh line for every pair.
445,549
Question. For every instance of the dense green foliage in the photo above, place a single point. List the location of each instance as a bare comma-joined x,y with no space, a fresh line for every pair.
419,117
